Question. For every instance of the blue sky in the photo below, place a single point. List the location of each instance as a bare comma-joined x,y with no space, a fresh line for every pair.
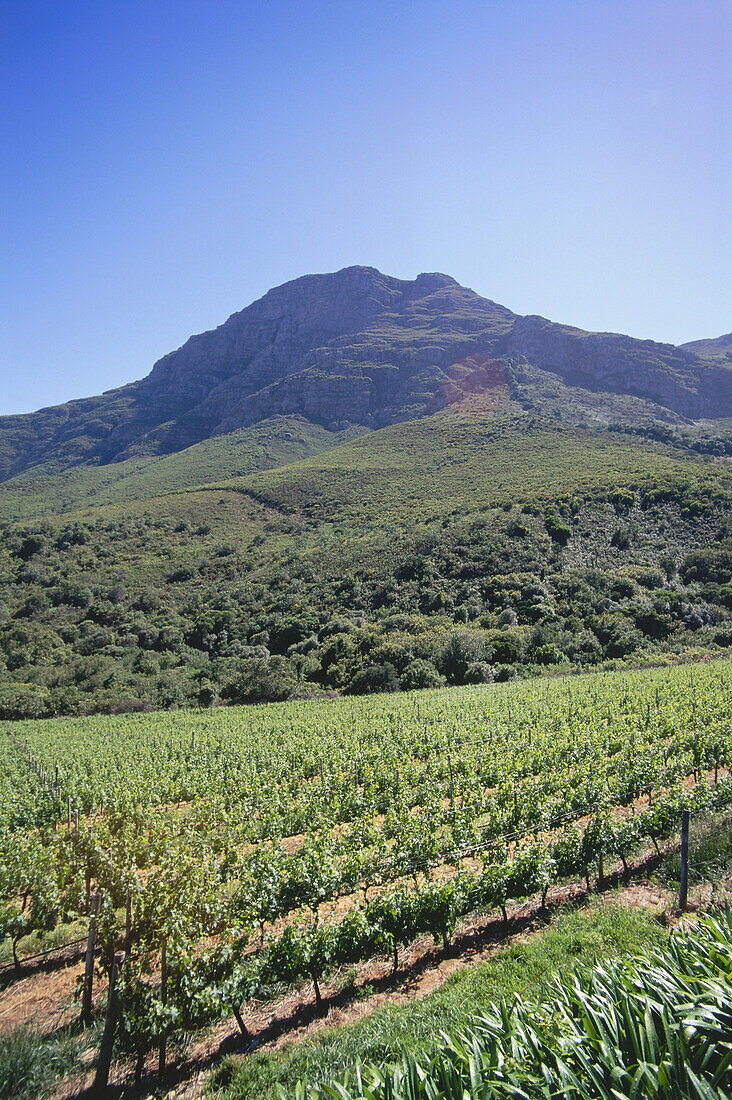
165,163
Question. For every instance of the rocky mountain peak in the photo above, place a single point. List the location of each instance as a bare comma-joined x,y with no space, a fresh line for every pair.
359,348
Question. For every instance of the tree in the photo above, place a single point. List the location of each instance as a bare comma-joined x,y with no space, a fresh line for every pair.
463,649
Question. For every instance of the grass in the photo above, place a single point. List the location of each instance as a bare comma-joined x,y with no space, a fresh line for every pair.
270,443
600,931
428,467
38,942
31,1062
438,465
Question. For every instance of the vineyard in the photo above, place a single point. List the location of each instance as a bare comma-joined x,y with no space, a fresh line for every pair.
224,854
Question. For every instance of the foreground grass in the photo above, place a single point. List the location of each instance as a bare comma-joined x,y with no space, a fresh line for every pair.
31,1062
598,932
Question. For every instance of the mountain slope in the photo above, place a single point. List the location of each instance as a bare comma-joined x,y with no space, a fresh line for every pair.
449,547
605,362
719,348
434,466
273,442
358,348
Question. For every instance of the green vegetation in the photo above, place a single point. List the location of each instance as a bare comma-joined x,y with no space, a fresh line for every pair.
274,442
710,854
31,1063
318,577
338,574
655,1025
433,466
394,1031
272,846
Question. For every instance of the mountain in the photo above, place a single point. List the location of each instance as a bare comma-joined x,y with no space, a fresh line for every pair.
721,348
361,483
357,350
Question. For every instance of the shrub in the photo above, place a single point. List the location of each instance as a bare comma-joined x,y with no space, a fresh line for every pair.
374,678
261,680
463,649
420,673
557,529
711,564
479,672
548,655
23,701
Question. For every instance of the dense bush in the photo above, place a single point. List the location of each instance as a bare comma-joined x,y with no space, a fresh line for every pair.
374,678
149,611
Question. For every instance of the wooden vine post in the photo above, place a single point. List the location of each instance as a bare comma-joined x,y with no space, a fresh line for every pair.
684,883
88,875
104,1061
164,999
91,943
128,921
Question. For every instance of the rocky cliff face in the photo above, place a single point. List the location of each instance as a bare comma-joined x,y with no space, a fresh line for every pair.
351,348
673,377
719,348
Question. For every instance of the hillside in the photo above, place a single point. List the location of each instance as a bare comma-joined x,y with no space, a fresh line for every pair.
274,442
448,549
358,349
449,465
719,348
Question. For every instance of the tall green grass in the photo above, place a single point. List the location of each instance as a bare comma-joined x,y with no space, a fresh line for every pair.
31,1062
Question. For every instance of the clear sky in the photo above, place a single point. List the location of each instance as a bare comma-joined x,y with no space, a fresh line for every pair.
165,162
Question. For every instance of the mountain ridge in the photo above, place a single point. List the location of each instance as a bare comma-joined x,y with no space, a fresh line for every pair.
360,349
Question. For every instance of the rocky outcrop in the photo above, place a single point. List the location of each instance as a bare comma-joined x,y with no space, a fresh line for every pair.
355,347
605,362
718,348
